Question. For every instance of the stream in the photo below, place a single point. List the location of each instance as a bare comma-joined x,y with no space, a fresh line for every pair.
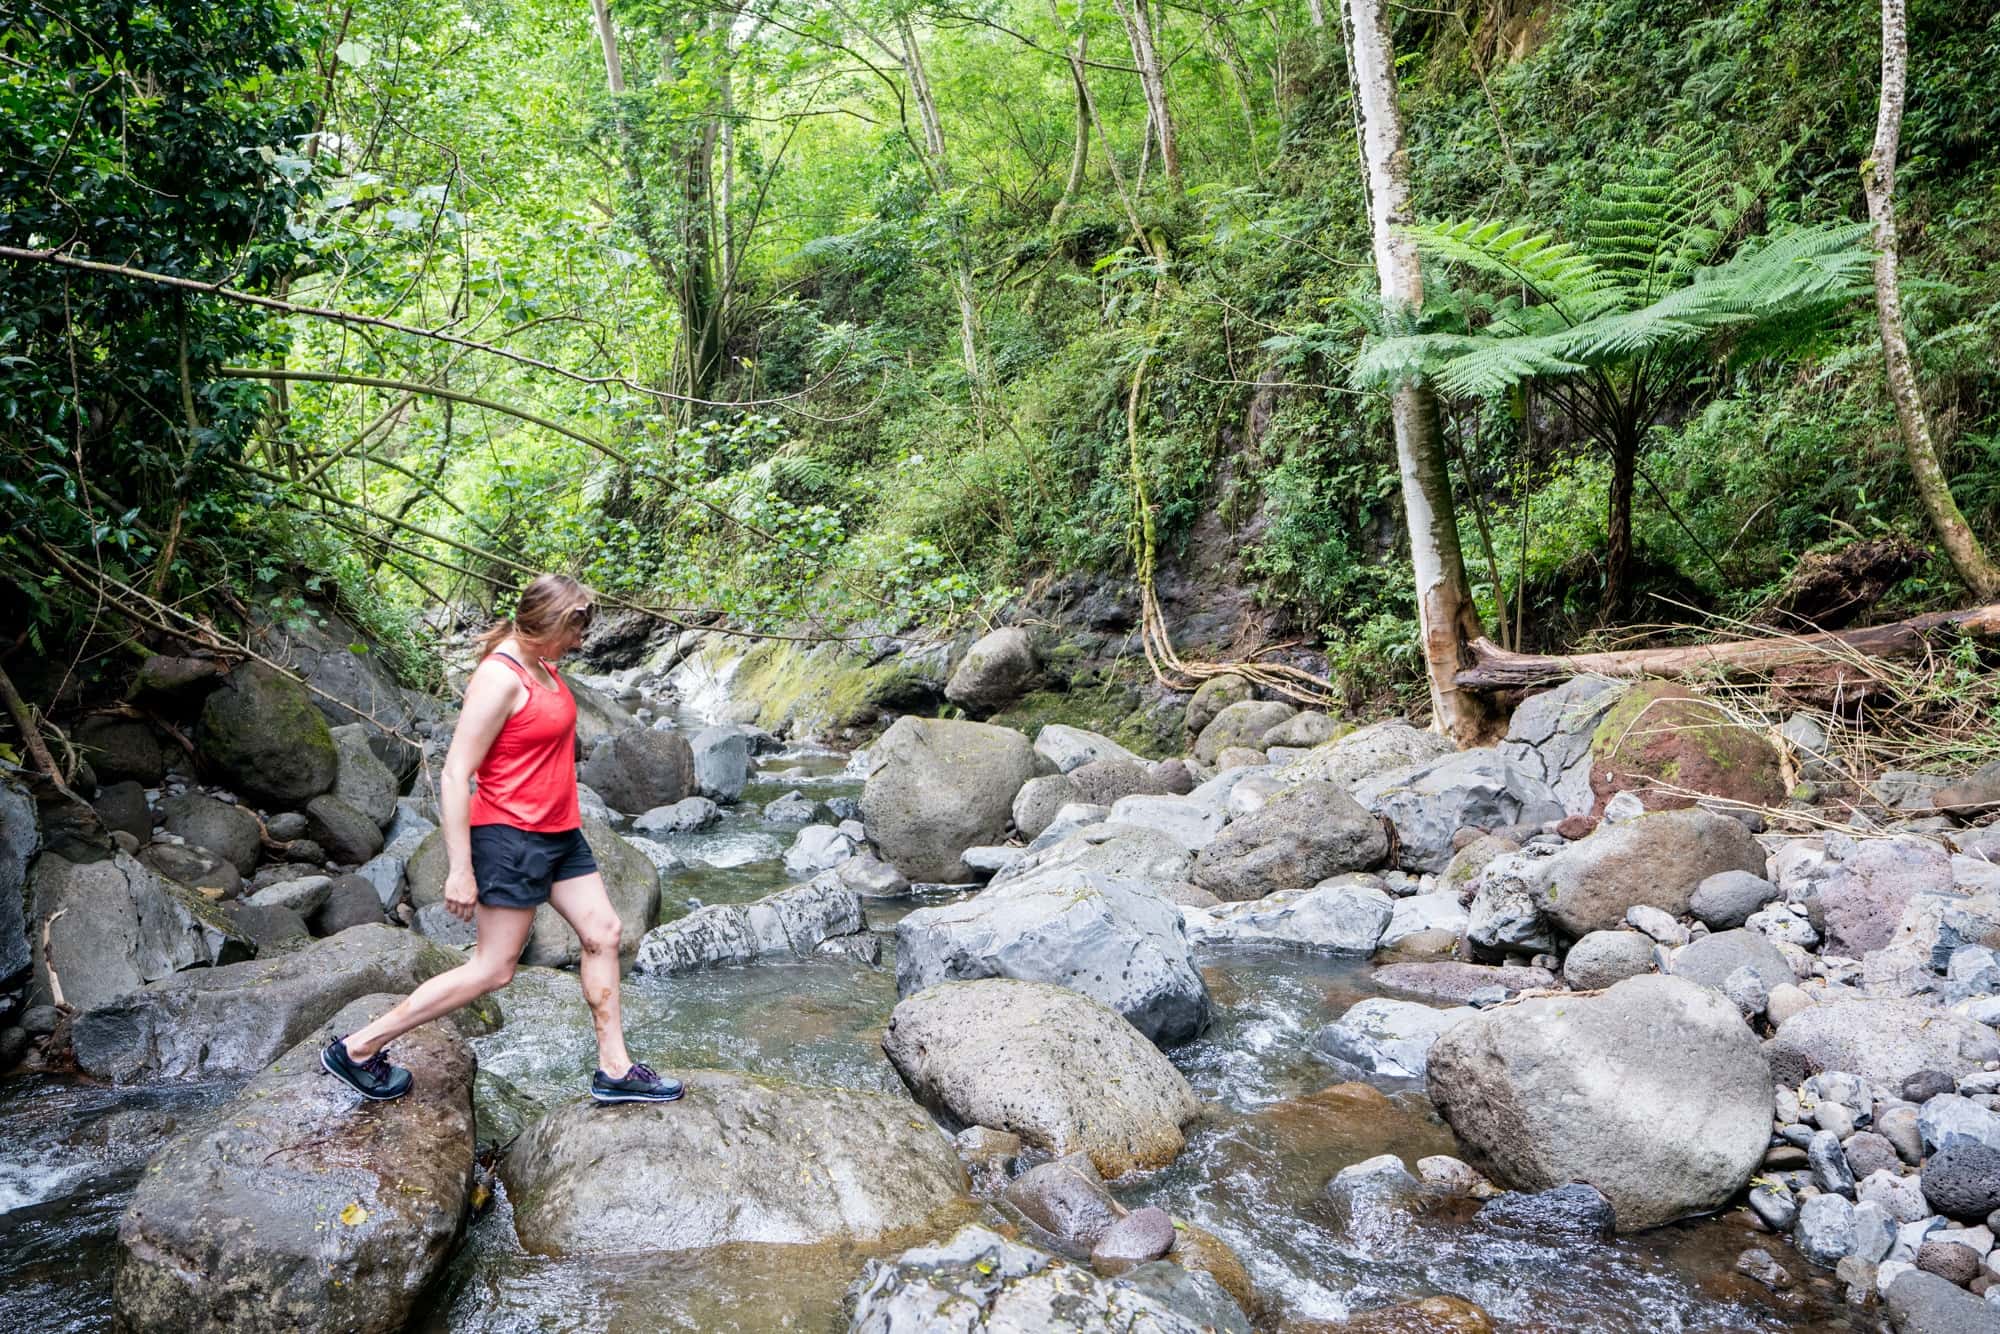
1253,1173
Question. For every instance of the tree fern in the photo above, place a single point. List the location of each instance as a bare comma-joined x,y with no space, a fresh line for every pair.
1622,320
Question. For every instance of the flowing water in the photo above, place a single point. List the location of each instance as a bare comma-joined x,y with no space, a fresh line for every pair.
1254,1171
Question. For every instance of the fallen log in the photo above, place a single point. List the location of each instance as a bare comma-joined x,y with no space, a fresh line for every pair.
1494,668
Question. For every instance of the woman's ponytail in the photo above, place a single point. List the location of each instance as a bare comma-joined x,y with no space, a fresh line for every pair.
497,633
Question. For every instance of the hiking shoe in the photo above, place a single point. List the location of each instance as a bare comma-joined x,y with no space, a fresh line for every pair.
640,1084
374,1078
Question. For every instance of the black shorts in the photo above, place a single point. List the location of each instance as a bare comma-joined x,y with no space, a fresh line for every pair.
515,868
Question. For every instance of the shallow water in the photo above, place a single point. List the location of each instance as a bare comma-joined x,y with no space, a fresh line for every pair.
1254,1171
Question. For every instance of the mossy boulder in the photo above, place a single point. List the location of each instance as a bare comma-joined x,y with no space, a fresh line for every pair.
1669,747
1213,696
828,688
260,736
994,670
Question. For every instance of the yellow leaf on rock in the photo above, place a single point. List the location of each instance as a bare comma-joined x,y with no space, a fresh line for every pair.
354,1215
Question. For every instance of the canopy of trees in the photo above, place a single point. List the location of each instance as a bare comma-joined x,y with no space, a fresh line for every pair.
819,313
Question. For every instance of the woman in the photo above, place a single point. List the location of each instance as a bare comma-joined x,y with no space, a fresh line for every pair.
513,845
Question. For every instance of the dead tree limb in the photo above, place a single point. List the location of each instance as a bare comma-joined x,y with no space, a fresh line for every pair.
1494,668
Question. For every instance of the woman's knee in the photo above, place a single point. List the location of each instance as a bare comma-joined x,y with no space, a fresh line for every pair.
491,974
601,935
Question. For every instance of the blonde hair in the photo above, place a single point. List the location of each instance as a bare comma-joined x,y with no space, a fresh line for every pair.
539,614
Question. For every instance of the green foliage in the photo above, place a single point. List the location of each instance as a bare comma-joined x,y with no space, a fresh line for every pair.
165,133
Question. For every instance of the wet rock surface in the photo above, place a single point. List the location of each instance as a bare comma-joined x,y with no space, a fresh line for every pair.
1065,1073
1093,916
738,1159
979,1281
238,1018
300,1207
789,924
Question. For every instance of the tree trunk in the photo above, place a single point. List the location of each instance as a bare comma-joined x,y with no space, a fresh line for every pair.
1318,13
1878,178
1153,82
1493,668
959,269
1618,530
1079,158
1446,615
607,39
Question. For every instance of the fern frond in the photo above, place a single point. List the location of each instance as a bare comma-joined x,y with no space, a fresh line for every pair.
1553,270
1386,363
1665,215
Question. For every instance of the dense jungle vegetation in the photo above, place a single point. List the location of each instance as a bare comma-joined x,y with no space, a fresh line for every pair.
824,312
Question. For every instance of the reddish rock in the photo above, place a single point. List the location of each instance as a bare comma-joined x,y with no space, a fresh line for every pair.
1668,745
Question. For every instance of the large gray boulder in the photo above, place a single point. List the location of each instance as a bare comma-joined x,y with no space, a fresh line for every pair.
1347,914
721,762
1883,1041
295,1209
1863,896
639,769
1656,860
1549,738
362,780
351,683
1242,724
1300,836
1654,1092
1923,1303
112,926
1064,1072
937,787
1367,751
980,1283
1479,789
230,832
788,924
631,880
260,735
739,1159
1091,914
20,840
996,669
236,1019
1710,959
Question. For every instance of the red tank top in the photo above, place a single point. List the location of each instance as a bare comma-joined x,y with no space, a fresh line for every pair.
528,778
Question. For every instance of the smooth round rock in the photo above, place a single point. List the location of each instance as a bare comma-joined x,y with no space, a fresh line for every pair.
1142,1235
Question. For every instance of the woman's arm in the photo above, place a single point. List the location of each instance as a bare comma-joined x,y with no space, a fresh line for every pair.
491,697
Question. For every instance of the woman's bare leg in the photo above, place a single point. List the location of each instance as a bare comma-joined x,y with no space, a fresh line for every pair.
502,933
586,906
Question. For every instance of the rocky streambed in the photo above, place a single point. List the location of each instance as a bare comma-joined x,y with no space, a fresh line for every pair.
1305,1029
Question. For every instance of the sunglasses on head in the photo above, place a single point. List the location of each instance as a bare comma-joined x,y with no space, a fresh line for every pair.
584,615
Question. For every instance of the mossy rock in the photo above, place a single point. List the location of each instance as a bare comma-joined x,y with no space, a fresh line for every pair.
1111,710
261,737
827,688
1668,746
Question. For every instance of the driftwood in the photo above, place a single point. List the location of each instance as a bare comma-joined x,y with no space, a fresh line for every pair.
1494,668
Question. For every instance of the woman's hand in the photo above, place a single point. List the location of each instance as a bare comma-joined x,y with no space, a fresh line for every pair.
460,893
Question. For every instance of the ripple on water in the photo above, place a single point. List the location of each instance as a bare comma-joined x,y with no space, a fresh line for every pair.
70,1157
